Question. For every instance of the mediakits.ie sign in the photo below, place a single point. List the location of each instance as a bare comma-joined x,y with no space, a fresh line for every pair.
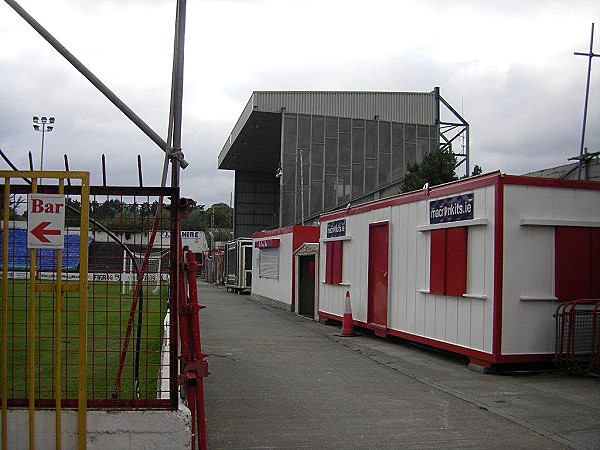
336,228
451,209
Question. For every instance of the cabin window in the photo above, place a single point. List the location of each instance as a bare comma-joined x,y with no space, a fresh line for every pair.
577,263
268,263
333,262
448,261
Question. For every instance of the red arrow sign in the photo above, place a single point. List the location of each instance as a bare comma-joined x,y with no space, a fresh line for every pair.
40,232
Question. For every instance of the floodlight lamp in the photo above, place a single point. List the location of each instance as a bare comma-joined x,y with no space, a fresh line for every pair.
36,127
49,128
51,119
44,119
36,119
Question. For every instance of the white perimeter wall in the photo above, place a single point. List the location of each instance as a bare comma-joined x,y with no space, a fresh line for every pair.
465,321
281,289
123,430
531,214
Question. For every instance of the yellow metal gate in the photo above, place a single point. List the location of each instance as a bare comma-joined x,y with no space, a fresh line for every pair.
34,314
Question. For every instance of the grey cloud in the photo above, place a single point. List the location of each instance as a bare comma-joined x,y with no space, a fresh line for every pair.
523,119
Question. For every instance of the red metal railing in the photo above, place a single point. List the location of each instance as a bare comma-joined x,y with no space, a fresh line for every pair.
578,336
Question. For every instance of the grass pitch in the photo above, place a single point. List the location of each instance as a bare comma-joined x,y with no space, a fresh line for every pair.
108,315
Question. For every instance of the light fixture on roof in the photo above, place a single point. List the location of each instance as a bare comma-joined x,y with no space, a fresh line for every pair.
44,128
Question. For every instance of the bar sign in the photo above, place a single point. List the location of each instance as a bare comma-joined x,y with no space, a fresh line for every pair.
45,221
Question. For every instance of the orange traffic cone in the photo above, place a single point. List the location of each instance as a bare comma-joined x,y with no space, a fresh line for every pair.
347,322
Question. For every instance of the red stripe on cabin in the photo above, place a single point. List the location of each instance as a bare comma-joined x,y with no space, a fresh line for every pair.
437,266
456,261
338,258
576,263
329,262
596,262
498,269
334,258
448,262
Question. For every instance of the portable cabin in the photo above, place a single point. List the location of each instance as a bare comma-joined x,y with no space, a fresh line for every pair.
273,268
238,262
477,267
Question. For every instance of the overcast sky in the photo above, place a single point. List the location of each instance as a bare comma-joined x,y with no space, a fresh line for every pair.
507,65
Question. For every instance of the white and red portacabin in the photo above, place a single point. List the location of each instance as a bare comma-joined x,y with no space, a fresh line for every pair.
273,263
477,266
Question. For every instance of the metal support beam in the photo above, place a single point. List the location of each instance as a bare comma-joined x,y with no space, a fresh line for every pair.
446,127
177,87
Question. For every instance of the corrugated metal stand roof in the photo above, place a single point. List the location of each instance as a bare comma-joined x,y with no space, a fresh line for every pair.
401,107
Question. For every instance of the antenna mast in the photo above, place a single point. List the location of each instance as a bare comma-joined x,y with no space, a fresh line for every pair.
590,55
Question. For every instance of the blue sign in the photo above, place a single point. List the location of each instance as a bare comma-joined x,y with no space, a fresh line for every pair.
336,228
451,209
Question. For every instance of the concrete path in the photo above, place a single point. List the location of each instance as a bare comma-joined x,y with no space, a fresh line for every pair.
279,381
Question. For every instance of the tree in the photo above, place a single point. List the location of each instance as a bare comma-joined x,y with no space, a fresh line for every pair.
196,221
106,210
436,168
477,170
72,218
218,216
14,206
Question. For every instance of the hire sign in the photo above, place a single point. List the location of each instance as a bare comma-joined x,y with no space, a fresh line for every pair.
185,234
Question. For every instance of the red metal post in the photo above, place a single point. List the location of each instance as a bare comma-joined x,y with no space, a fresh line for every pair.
195,367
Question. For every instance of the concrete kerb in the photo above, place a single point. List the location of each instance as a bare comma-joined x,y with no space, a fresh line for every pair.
270,302
134,430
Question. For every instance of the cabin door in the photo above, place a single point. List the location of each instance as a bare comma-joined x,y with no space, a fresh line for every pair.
378,275
306,286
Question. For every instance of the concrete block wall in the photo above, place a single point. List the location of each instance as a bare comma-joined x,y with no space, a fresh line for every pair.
123,430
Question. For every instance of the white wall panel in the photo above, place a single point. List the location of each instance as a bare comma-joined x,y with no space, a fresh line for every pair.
528,288
357,258
431,302
488,283
397,271
281,289
414,244
478,325
463,336
452,325
439,318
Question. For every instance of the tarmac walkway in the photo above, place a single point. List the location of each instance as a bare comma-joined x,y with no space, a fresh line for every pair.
279,381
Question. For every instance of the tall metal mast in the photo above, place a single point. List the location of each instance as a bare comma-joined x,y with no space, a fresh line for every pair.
590,55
